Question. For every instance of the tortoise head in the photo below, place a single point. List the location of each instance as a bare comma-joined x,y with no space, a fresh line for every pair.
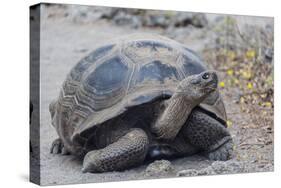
199,86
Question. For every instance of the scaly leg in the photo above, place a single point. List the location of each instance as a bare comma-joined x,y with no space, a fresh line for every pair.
209,135
126,152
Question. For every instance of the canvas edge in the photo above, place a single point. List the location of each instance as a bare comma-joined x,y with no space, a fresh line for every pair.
34,153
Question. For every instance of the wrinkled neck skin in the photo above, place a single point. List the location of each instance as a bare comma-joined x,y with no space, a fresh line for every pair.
178,108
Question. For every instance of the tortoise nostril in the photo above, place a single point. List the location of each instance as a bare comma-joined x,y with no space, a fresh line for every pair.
215,76
206,76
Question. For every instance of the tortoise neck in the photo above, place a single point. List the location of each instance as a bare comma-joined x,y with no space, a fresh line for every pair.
177,110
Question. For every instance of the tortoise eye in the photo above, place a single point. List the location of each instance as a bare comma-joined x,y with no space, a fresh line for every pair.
206,76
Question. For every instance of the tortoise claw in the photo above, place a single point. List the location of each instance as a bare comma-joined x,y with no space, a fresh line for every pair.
58,147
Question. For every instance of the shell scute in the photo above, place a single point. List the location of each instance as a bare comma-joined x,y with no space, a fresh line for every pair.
108,76
156,70
85,63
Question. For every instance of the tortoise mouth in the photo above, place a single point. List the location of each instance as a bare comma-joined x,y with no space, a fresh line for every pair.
210,87
213,84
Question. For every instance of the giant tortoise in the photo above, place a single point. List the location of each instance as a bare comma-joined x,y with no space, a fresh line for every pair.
140,97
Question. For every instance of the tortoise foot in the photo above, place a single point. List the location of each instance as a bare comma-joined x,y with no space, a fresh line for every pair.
58,147
222,153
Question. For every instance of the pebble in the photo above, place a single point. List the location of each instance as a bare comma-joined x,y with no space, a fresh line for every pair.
159,168
217,167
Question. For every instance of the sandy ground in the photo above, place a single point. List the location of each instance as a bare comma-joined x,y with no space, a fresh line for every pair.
63,43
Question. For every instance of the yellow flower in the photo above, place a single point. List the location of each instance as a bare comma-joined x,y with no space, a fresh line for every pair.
250,86
230,72
267,104
251,54
229,123
222,84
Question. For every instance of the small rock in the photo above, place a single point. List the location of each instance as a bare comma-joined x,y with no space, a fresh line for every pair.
183,19
109,13
83,14
268,54
191,172
123,18
221,167
217,167
199,20
157,21
206,171
159,168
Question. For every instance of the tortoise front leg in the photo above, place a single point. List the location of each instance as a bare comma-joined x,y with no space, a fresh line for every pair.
128,151
209,135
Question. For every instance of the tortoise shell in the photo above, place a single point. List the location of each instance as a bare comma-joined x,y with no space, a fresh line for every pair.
129,72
